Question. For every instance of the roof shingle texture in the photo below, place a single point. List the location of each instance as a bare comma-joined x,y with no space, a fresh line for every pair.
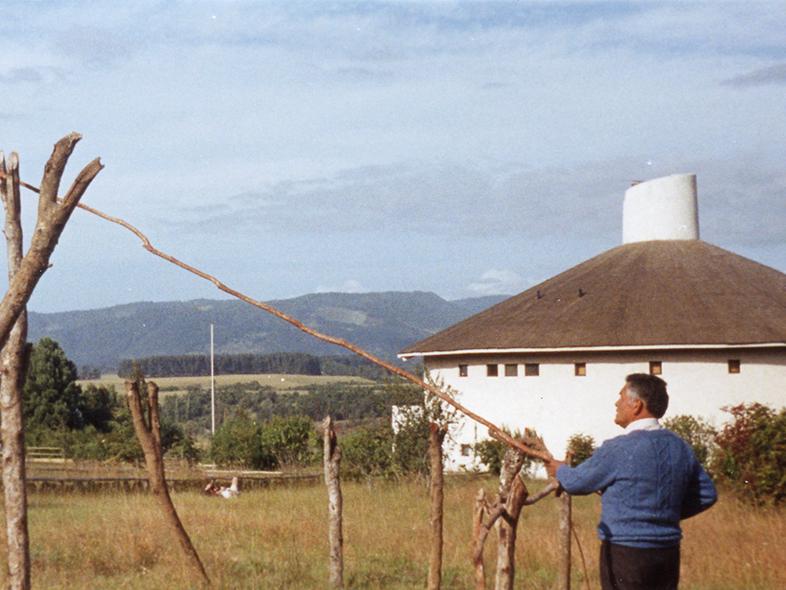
669,292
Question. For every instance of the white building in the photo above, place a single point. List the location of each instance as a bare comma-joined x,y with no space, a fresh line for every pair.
709,322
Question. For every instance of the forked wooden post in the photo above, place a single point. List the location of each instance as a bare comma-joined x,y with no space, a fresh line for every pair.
332,463
24,274
504,514
512,494
148,431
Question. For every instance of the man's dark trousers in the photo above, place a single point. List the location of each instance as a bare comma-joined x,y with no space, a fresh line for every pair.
632,568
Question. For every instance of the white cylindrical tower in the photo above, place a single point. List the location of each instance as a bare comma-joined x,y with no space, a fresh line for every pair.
661,209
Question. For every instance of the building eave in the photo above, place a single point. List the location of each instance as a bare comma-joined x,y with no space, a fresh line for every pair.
495,351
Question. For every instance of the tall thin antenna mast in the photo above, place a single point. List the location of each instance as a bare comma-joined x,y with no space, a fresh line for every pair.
212,386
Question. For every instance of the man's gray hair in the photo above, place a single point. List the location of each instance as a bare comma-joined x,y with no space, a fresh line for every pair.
649,389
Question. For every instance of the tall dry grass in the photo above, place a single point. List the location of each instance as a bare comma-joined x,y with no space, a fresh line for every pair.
277,538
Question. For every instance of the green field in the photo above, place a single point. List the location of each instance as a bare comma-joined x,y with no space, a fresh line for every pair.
280,382
276,538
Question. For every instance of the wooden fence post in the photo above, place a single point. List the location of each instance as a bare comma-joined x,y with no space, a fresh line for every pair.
436,493
332,463
149,434
563,572
11,384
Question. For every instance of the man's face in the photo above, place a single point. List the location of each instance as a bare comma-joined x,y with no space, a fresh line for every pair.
626,408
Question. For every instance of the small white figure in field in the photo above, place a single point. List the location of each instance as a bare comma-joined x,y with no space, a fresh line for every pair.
232,491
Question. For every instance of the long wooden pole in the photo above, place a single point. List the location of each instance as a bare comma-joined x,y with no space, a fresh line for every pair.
212,386
494,430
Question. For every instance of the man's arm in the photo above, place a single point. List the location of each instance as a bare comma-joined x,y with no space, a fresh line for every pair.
700,495
596,473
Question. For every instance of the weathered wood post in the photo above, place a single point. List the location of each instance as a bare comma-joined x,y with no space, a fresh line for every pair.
149,434
563,572
512,494
436,492
332,463
11,383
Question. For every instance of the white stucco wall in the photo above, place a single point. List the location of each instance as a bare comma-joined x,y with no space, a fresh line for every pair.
559,404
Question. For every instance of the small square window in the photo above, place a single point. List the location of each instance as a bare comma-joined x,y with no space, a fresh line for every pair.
466,450
492,370
511,370
531,369
734,365
580,369
463,370
656,368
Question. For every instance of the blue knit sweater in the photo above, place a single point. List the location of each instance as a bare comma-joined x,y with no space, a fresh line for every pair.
649,481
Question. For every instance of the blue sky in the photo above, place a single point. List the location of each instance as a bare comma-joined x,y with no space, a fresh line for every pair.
456,147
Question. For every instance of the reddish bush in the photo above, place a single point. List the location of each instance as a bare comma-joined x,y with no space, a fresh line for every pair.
751,453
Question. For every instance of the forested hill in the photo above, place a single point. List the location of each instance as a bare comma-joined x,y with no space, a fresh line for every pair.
382,323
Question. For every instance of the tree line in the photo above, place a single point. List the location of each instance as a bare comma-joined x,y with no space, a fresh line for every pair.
292,363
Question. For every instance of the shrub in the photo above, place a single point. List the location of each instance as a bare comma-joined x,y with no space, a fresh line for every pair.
580,448
751,453
492,452
410,442
292,440
367,452
697,433
238,443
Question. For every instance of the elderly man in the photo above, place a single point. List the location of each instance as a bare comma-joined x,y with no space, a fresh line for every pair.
650,480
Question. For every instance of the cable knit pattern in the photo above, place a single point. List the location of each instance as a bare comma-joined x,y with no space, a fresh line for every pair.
649,480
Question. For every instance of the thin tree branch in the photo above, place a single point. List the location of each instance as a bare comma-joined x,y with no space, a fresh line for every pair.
546,491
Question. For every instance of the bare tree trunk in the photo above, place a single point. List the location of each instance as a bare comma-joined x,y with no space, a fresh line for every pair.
563,572
513,493
149,434
332,462
13,376
52,217
437,493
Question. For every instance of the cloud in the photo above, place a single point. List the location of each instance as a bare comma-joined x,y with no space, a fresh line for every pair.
31,75
739,199
348,286
497,282
94,46
17,75
775,74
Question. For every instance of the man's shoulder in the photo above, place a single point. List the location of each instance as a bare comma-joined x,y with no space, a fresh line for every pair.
615,442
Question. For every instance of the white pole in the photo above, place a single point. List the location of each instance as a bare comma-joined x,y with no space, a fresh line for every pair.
212,386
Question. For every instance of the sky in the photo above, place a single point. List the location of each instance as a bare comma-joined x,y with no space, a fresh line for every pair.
464,148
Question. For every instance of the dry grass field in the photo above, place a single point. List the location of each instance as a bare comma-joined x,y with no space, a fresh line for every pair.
280,382
276,538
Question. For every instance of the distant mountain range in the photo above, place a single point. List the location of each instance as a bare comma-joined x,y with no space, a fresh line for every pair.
382,323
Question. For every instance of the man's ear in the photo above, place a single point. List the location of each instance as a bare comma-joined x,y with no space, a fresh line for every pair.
638,406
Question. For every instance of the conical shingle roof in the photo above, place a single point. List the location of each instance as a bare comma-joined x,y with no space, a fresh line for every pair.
654,293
